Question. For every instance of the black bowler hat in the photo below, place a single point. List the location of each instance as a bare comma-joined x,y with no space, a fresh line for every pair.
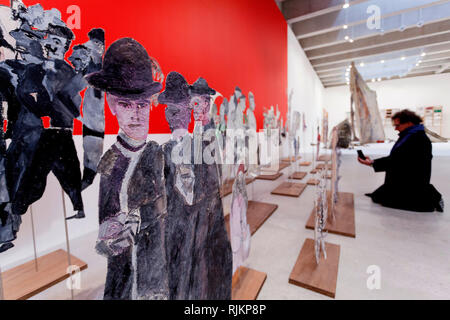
97,34
126,71
177,89
201,87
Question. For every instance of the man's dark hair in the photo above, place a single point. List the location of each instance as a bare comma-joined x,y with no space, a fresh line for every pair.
80,47
406,115
97,34
63,32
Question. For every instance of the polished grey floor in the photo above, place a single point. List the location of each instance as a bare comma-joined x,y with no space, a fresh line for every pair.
411,250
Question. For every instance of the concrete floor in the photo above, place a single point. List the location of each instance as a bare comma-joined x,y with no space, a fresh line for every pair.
412,250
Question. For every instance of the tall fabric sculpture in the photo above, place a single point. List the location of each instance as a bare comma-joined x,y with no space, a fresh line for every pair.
367,118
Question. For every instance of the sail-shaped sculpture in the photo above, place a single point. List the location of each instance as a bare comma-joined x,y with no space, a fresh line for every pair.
367,115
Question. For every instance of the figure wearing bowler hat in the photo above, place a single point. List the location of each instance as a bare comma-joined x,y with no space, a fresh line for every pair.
132,205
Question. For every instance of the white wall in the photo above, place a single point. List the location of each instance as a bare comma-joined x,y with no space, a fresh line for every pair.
407,93
308,89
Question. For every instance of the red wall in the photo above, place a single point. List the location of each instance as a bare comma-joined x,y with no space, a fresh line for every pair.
228,42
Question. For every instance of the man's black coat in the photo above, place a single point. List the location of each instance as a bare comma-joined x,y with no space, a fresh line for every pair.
408,171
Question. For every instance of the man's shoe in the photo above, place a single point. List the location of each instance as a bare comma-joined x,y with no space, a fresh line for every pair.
79,215
6,246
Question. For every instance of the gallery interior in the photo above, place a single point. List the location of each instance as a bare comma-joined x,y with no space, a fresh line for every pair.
316,165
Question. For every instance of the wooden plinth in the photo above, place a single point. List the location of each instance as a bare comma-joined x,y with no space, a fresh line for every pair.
271,177
313,182
283,165
298,175
322,277
257,214
324,158
23,282
247,284
290,189
249,180
290,159
320,166
344,223
305,164
314,171
227,188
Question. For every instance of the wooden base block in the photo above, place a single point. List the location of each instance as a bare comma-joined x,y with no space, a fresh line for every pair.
283,165
23,282
314,171
320,166
257,214
249,180
298,175
305,164
227,188
247,284
313,182
324,157
271,177
290,189
344,224
322,277
290,159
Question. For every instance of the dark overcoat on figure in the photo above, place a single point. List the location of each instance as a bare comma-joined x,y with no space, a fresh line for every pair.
132,181
408,172
198,249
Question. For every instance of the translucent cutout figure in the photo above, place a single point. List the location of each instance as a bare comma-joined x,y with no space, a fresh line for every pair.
321,214
239,229
335,164
251,127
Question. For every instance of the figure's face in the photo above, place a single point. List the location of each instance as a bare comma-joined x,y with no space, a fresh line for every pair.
80,59
28,42
178,116
97,48
132,115
55,47
251,101
201,106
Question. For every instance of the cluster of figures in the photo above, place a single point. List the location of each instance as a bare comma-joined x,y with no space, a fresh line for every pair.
162,225
37,84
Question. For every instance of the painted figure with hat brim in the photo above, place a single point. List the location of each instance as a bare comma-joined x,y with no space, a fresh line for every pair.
132,204
213,263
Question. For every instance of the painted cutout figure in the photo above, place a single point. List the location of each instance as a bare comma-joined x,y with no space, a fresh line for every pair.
43,86
180,182
239,229
132,203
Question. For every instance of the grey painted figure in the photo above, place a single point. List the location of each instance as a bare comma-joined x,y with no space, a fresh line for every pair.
239,229
180,182
213,260
44,86
132,204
